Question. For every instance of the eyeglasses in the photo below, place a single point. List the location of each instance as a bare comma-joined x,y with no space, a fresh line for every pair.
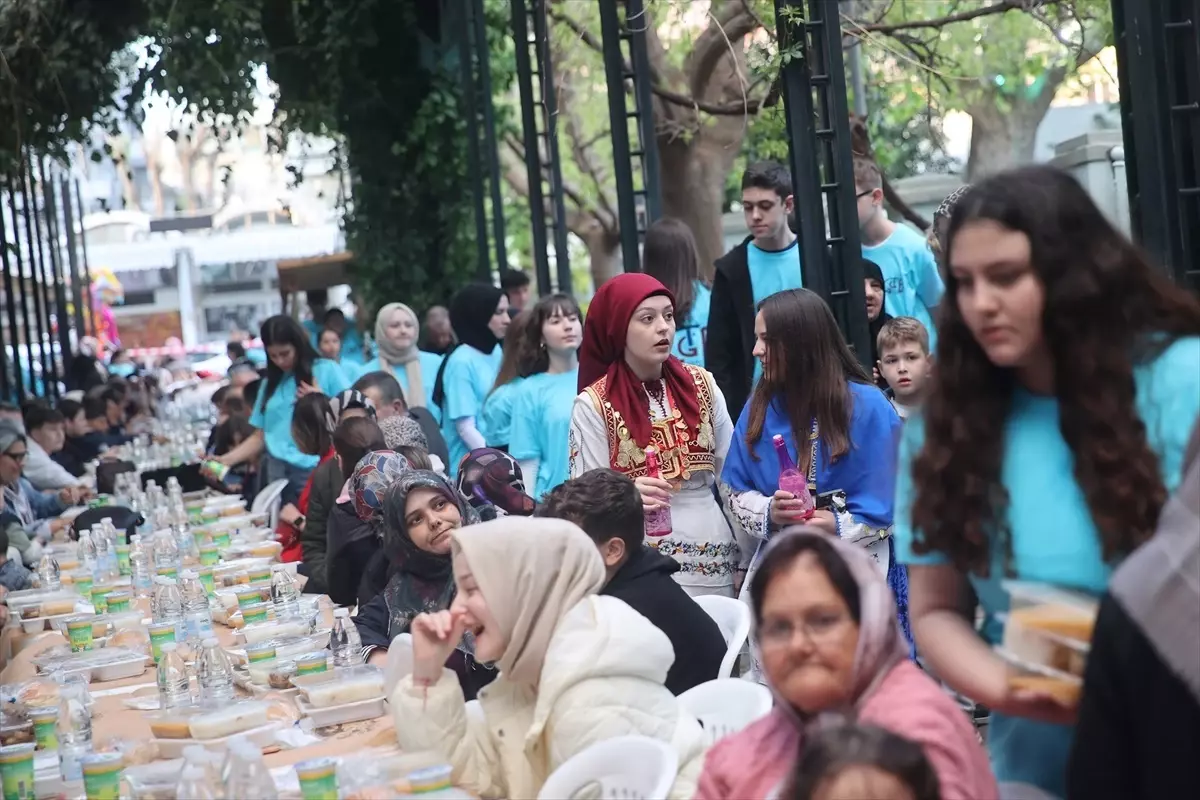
863,194
18,457
818,629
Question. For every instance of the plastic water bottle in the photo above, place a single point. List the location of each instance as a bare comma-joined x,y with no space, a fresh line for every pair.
189,551
111,538
248,773
140,567
49,574
197,778
658,521
87,553
166,550
174,690
214,673
73,729
197,616
344,640
284,594
167,604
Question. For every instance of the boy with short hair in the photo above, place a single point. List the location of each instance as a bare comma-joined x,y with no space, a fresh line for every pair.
608,507
767,262
912,283
905,363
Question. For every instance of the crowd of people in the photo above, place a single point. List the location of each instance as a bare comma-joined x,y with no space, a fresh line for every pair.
535,500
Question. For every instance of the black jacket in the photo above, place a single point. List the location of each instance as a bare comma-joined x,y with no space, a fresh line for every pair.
322,497
1139,726
644,582
345,560
731,328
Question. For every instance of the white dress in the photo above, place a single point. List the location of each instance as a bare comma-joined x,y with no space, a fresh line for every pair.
701,539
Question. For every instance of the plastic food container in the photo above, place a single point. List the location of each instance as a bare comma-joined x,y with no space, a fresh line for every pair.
261,632
280,676
341,714
341,686
173,724
236,718
1049,627
106,664
262,736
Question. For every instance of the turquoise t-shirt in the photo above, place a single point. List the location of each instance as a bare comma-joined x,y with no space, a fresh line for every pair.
276,419
692,333
911,282
497,413
541,426
772,271
468,378
1053,536
430,364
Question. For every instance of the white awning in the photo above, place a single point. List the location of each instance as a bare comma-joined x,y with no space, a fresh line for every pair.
267,243
134,256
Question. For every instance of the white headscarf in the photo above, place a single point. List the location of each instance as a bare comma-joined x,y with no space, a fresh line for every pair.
391,356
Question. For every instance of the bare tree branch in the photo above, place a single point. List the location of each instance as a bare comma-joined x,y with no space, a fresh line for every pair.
999,7
516,175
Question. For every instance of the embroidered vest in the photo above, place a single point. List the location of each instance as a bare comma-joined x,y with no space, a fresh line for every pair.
682,451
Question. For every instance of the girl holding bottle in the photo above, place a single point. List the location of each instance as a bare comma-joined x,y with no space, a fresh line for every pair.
635,395
541,419
816,411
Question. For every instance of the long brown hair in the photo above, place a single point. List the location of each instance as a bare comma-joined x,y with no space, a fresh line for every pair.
669,254
809,366
510,365
1107,310
532,357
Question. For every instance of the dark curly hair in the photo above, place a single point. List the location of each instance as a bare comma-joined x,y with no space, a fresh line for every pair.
532,357
1106,311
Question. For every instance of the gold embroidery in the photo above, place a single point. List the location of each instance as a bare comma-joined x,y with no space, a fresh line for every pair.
682,453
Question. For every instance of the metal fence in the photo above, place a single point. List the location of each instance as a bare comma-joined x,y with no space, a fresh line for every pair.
44,296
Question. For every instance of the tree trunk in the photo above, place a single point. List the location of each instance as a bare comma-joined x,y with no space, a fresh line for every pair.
1004,130
693,188
604,252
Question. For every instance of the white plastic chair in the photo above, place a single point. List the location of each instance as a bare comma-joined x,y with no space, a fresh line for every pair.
268,501
733,618
726,705
623,768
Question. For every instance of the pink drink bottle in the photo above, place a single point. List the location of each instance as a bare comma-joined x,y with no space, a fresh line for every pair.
658,521
790,479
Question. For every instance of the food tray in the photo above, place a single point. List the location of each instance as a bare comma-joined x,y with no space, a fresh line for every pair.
263,631
105,664
360,710
32,597
262,736
287,647
365,674
241,679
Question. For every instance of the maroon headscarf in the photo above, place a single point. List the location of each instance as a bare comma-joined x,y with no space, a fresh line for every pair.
603,355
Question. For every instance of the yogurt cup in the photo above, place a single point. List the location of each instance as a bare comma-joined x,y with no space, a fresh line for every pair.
102,775
210,554
260,652
118,602
45,727
99,594
16,771
160,634
83,582
168,572
79,633
260,575
123,559
222,539
312,663
206,578
258,612
248,596
318,778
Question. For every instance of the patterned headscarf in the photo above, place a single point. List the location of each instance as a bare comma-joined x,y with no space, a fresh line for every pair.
421,580
341,403
491,481
403,431
941,220
375,473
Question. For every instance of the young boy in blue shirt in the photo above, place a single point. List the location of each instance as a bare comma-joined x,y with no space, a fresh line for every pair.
912,284
905,363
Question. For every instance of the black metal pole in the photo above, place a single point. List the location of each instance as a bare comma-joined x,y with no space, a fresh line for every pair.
614,73
86,288
466,58
636,21
562,260
72,261
533,156
63,318
37,260
22,286
490,142
10,303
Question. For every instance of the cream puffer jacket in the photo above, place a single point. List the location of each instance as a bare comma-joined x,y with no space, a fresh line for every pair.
603,677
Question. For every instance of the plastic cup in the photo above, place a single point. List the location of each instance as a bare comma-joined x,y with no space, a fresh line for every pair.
248,597
222,539
206,578
210,554
260,652
160,634
16,771
123,559
79,633
118,602
312,663
168,572
83,583
102,775
45,727
255,613
260,574
100,592
318,778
